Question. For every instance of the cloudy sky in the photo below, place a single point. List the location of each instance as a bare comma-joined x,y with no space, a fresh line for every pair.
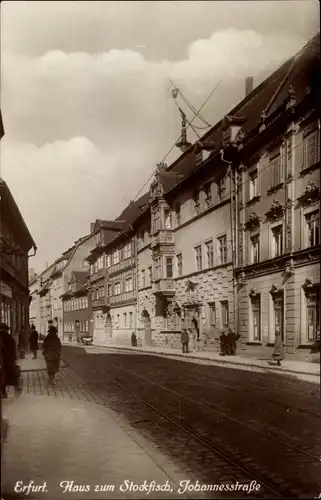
85,94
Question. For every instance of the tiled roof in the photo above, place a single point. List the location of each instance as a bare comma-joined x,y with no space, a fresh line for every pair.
297,72
134,209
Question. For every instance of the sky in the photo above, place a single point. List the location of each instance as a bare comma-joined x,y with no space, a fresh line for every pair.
86,101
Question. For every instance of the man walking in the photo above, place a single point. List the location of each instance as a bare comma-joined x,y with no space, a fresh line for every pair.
184,341
33,341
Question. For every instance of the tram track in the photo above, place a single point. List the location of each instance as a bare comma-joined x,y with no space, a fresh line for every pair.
147,404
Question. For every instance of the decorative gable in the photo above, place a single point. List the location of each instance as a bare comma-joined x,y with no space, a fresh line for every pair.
275,212
310,194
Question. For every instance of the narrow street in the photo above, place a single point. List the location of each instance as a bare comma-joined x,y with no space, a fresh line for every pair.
220,425
161,420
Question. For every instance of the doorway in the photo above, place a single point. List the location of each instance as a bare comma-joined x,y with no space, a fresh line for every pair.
278,306
108,326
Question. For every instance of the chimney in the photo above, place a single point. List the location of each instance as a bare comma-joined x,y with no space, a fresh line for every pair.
249,84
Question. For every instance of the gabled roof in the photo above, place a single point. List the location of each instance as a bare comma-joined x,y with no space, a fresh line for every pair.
298,72
111,225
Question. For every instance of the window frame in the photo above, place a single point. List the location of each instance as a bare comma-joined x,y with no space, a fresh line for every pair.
198,257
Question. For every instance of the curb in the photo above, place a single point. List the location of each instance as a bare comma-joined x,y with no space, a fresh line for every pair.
218,361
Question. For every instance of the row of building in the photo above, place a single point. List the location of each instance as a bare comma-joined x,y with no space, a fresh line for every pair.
16,243
228,236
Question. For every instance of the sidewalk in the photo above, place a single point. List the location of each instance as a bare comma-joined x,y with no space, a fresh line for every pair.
301,369
66,447
29,364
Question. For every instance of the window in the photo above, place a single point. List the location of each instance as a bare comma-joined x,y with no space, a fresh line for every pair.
129,284
130,320
143,278
196,201
125,320
169,267
253,184
178,213
277,240
109,290
222,249
158,268
107,260
198,255
255,249
224,314
212,315
118,321
179,260
256,318
208,194
276,169
167,219
155,222
116,257
209,253
150,274
117,288
127,251
313,227
313,314
221,187
310,149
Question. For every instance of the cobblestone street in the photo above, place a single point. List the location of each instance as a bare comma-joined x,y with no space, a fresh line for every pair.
156,419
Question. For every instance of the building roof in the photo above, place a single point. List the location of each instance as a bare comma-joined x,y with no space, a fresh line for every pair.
299,72
15,215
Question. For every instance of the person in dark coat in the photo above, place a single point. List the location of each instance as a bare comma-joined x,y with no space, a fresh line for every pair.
278,351
185,341
232,338
224,344
52,353
9,369
134,340
33,341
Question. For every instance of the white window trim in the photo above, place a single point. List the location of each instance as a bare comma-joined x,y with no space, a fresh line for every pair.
304,228
199,245
251,236
251,322
273,225
209,240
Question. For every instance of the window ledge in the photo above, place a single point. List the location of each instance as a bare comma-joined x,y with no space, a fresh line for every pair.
253,200
274,189
308,170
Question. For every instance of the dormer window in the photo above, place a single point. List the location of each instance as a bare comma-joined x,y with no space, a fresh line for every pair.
98,238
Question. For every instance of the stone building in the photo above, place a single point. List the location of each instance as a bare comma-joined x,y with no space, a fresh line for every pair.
277,172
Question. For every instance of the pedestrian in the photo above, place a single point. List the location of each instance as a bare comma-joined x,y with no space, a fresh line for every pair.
278,351
232,338
184,341
52,353
33,341
21,345
224,344
10,375
134,340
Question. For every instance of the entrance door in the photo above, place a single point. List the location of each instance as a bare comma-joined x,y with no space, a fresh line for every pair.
278,314
108,327
147,328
